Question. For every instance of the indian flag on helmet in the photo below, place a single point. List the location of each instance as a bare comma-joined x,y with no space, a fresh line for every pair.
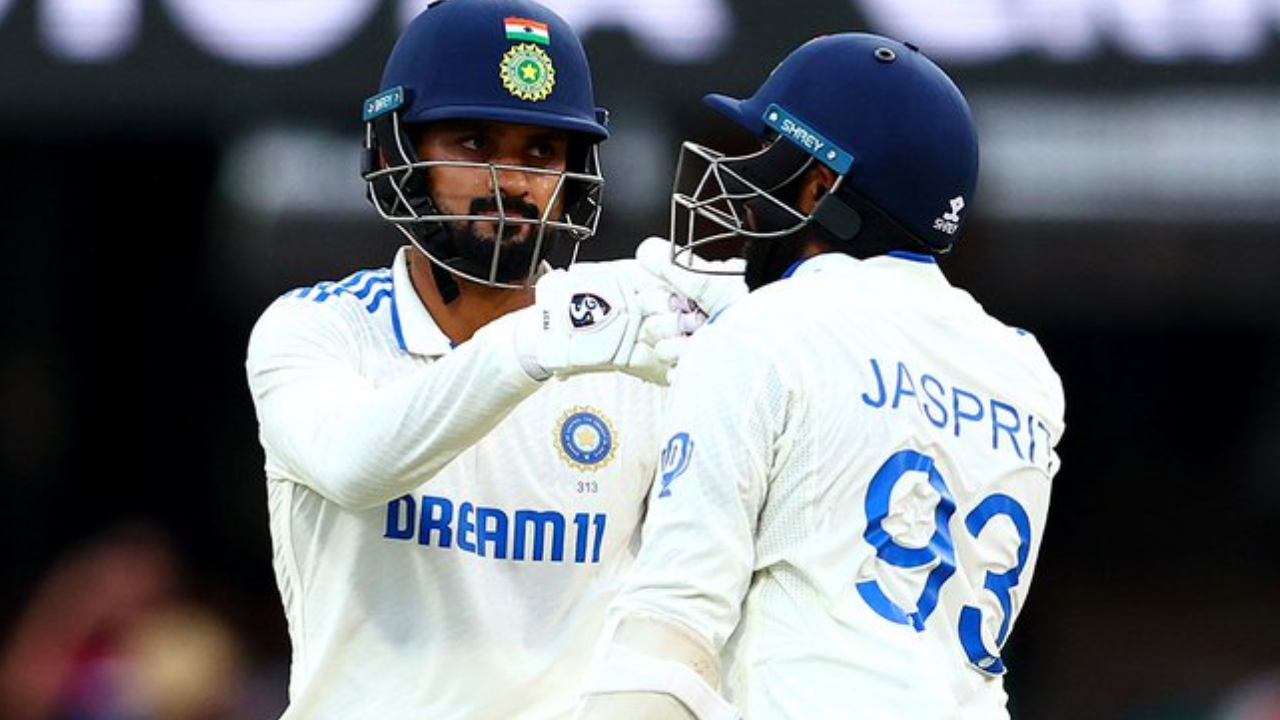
528,30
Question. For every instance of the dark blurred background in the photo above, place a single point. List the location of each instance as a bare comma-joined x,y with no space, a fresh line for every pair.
167,167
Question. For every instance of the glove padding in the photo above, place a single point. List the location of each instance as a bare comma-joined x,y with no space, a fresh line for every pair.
712,284
600,316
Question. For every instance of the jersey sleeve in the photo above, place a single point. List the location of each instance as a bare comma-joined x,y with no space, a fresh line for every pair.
722,426
359,443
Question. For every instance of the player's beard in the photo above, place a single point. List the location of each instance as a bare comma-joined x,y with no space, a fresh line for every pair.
769,258
470,244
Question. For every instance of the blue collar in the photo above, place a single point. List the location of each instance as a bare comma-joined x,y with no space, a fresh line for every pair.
913,256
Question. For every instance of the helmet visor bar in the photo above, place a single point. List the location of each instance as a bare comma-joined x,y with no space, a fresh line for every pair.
717,199
399,193
401,209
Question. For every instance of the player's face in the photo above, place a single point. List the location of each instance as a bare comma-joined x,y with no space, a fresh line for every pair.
470,190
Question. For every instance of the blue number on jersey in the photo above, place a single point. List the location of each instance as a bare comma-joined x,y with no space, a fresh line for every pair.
940,549
999,584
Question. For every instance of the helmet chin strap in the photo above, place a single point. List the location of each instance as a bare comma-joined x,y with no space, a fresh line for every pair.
857,227
842,220
837,217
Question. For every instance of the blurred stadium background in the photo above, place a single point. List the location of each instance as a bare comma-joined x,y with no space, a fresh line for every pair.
167,167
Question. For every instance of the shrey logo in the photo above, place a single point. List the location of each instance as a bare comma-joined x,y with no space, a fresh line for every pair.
587,309
950,220
957,204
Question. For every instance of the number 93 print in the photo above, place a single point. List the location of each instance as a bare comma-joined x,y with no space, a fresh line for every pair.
896,515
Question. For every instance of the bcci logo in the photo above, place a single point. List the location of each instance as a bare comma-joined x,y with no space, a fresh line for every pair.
586,310
586,439
527,72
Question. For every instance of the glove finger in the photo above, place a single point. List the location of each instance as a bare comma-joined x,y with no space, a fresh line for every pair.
669,350
656,328
680,303
671,376
656,300
654,255
648,365
687,323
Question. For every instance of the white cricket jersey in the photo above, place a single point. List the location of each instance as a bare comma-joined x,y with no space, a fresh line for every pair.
853,494
447,532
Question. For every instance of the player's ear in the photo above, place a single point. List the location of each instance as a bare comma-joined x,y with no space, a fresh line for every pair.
817,182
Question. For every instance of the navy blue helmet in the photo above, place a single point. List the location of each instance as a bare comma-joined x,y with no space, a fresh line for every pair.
890,124
512,61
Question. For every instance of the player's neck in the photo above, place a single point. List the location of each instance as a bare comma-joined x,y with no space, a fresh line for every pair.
475,306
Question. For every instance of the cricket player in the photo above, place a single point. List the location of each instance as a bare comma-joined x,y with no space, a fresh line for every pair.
458,446
858,459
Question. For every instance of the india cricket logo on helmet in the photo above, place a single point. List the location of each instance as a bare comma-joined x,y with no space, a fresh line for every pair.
527,72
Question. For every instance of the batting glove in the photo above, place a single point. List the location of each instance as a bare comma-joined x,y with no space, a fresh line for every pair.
712,284
601,316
